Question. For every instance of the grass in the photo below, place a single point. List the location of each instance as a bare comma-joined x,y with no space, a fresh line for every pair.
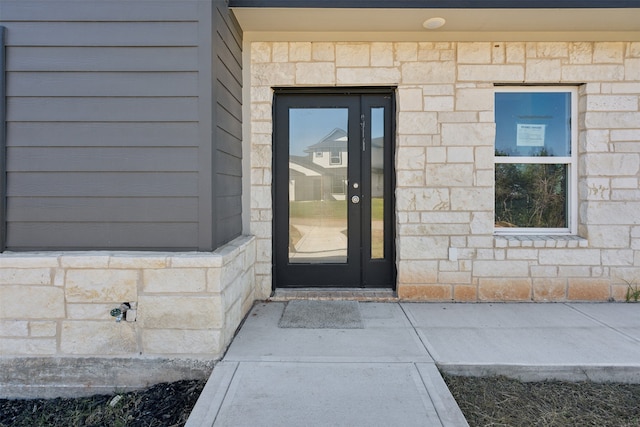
500,401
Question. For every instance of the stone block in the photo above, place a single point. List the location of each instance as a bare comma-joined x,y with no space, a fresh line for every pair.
91,311
612,103
41,329
632,69
491,73
323,51
410,99
424,248
260,52
422,199
271,74
609,236
543,70
468,134
28,260
406,51
474,53
417,272
280,52
522,254
570,257
547,290
195,260
31,302
352,54
449,175
515,53
501,269
592,73
98,338
410,178
580,53
454,277
373,76
460,154
428,72
425,292
85,260
14,328
608,52
552,49
410,158
618,257
26,276
133,261
315,73
504,289
614,213
299,51
178,280
465,293
27,346
589,290
100,285
476,99
182,342
472,199
180,312
543,271
410,122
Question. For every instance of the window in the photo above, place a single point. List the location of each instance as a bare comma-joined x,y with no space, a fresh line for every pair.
535,160
336,157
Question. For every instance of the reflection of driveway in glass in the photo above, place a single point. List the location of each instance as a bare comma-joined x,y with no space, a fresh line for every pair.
320,244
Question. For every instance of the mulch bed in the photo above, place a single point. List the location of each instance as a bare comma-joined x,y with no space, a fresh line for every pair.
162,405
500,401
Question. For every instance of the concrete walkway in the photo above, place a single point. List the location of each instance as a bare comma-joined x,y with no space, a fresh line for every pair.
385,373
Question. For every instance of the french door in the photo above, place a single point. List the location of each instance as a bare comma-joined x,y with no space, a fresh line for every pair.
333,188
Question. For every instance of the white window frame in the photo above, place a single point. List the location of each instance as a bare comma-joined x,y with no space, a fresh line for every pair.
570,161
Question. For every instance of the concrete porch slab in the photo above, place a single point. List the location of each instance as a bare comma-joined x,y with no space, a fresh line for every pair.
387,337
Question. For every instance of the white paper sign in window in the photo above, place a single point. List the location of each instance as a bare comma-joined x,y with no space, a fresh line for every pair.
530,135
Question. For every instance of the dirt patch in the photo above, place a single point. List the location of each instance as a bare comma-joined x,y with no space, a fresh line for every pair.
501,401
163,405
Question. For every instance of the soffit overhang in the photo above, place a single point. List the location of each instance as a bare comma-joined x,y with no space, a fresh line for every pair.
462,24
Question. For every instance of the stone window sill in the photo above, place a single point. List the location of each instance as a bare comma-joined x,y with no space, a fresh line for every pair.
539,241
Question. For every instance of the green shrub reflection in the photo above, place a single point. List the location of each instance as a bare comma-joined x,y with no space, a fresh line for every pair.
531,195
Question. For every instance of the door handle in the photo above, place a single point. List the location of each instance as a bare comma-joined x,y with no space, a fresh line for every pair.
355,200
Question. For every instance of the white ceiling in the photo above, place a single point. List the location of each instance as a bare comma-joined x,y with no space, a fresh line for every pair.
526,24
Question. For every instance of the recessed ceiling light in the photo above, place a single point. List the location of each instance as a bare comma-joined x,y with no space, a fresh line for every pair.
433,23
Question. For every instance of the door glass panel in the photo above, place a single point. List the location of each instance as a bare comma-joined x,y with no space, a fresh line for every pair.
318,161
377,183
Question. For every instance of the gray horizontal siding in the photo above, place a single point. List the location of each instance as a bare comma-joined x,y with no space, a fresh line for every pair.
104,209
103,84
113,235
88,59
227,63
103,34
107,124
104,134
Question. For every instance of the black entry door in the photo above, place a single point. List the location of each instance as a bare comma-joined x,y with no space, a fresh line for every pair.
333,188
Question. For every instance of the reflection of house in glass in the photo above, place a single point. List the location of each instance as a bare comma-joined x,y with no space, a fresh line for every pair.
322,173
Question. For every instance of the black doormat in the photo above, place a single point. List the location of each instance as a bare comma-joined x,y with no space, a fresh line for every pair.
321,315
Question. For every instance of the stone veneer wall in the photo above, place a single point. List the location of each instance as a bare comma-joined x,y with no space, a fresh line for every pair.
57,306
446,249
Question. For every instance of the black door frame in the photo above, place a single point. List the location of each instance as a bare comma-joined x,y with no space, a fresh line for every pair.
365,272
